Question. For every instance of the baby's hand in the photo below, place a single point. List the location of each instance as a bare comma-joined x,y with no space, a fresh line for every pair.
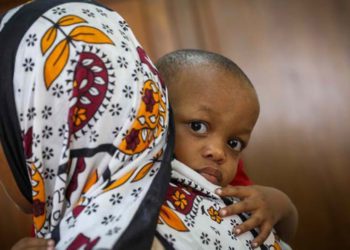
34,244
267,206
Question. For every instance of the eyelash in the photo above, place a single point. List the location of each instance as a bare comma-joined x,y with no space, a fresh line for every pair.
192,125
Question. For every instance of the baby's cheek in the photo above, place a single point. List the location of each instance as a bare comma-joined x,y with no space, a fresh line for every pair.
186,149
230,173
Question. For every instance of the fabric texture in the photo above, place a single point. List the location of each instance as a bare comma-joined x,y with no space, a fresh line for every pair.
189,217
87,120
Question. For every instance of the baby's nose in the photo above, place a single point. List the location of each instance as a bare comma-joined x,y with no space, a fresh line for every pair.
215,152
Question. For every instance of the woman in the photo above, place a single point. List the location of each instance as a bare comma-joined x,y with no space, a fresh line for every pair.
83,113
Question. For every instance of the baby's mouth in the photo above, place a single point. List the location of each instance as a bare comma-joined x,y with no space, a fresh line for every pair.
211,174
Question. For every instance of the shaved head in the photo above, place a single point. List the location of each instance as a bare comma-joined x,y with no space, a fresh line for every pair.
170,65
215,109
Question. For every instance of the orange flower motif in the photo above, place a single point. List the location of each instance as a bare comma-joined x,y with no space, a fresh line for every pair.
214,215
180,199
79,116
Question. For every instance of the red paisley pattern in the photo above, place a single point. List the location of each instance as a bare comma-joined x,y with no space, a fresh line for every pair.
90,87
94,117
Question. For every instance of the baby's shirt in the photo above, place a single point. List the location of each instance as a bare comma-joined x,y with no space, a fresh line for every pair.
241,178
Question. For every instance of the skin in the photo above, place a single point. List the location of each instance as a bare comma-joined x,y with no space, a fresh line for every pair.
270,208
215,113
34,244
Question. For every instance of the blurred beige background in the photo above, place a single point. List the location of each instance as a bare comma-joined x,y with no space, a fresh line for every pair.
297,54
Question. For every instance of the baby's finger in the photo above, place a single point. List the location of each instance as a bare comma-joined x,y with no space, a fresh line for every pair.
237,191
39,248
252,222
265,230
34,243
237,208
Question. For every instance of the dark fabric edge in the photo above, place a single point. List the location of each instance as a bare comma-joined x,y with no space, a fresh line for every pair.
142,229
2,16
164,242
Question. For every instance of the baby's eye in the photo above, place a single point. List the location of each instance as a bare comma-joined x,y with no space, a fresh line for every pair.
199,127
235,144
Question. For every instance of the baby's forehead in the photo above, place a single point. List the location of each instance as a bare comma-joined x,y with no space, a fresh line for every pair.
203,83
208,75
210,82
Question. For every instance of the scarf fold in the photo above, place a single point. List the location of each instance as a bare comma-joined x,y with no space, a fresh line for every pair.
84,124
189,217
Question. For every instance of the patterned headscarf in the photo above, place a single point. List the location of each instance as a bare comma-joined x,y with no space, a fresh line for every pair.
84,124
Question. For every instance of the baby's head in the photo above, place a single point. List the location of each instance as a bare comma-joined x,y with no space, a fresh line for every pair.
215,109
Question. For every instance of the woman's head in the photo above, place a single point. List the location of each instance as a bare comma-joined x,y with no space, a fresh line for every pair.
86,110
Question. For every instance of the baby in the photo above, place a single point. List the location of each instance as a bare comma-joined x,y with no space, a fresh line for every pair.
215,109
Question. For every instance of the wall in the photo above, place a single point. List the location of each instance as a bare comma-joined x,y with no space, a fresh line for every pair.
297,55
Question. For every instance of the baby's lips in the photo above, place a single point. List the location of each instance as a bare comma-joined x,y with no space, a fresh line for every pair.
212,174
211,178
